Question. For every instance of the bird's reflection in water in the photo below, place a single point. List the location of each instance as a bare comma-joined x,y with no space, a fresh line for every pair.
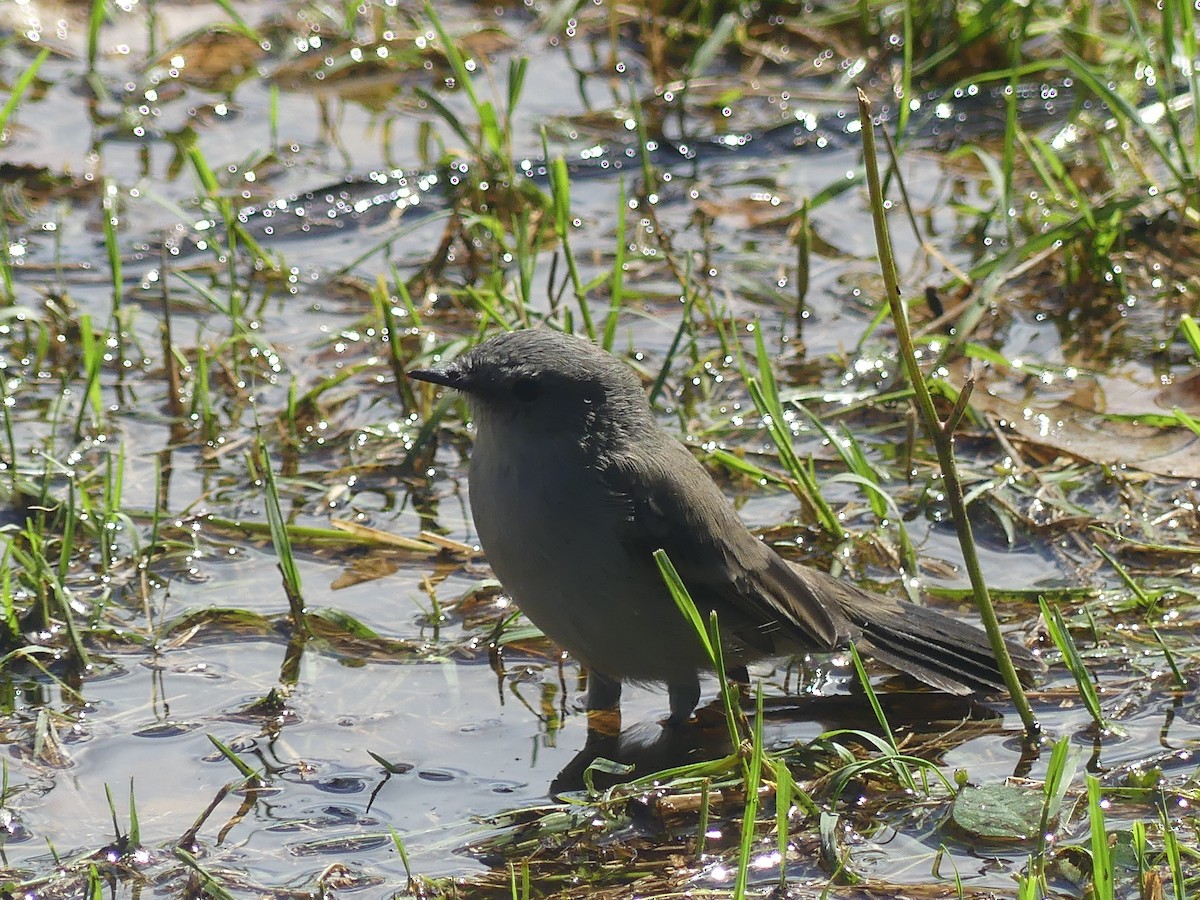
938,721
643,748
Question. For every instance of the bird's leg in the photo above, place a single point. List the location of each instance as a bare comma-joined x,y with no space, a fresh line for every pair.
603,692
603,704
684,697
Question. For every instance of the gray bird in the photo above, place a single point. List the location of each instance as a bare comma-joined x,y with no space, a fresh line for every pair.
574,485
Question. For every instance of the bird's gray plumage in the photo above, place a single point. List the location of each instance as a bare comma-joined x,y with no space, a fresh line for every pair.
574,485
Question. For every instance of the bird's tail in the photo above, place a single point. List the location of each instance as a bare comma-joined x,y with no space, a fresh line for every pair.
931,646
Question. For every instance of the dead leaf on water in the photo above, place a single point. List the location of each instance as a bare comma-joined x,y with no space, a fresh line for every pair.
759,210
486,42
364,569
1182,393
213,54
1067,428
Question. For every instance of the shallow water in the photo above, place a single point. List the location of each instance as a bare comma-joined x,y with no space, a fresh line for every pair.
470,743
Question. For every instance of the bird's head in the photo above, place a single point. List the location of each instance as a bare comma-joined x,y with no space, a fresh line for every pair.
539,382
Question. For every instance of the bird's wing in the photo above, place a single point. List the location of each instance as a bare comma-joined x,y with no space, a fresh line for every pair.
670,502
774,606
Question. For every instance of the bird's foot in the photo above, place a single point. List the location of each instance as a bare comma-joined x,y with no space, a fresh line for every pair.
684,698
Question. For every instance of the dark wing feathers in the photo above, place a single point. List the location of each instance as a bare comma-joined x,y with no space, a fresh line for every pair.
773,607
756,594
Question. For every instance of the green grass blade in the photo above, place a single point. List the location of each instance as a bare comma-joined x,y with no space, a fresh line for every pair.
20,86
1061,636
1102,861
750,811
282,542
709,636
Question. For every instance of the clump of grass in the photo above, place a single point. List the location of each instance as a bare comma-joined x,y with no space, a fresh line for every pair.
495,201
803,481
1061,636
130,840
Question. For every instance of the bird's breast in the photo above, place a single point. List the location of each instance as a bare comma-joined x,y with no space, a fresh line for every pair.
555,534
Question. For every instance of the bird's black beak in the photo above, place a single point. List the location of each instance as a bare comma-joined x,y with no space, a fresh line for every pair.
450,376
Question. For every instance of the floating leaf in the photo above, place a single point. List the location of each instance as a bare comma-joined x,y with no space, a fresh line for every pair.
1174,452
999,812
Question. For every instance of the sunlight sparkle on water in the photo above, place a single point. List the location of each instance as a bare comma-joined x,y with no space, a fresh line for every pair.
766,861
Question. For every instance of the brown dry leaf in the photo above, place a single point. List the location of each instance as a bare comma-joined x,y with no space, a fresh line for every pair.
51,751
1183,392
486,42
213,54
364,569
370,73
750,212
1067,428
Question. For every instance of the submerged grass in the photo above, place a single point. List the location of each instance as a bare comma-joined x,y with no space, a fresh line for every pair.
1087,223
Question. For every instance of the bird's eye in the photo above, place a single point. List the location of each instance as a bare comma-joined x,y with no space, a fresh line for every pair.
526,389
